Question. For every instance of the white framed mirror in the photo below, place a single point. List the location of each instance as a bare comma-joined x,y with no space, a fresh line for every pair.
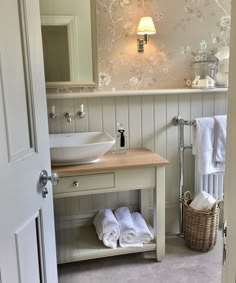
69,43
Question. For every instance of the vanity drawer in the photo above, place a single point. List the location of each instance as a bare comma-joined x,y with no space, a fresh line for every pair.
135,178
85,183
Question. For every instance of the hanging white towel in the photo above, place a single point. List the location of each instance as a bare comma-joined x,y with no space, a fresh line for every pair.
107,228
220,138
143,234
127,228
203,146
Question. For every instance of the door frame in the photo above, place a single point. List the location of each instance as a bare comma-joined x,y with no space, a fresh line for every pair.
229,267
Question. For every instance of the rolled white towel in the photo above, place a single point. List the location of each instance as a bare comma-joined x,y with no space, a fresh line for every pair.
203,201
107,228
127,229
143,234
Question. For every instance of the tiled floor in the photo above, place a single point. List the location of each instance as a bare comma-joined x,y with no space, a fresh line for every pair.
179,266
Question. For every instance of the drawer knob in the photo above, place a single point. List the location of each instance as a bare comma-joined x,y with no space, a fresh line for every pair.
76,184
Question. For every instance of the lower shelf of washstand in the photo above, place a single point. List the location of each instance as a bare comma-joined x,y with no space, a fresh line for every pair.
82,243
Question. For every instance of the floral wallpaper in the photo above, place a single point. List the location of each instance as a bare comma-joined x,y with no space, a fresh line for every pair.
187,30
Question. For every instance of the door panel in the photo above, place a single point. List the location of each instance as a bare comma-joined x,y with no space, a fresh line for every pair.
28,252
19,140
27,236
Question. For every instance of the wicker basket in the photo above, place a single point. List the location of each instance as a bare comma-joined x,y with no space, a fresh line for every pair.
199,226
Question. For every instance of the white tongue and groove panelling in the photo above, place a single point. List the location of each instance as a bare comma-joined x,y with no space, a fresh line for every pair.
147,120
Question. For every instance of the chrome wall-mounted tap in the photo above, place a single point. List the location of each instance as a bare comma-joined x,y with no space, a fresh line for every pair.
52,115
68,116
81,113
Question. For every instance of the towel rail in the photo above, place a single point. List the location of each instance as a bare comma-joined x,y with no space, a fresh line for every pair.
178,120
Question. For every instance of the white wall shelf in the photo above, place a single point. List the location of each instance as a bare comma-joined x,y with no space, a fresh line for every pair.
55,95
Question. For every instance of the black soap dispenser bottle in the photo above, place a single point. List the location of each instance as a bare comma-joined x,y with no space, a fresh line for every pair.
121,139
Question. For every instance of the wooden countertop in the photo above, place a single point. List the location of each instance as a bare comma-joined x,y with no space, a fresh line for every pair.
133,158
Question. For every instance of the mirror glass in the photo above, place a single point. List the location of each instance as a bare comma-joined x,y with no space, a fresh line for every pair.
69,42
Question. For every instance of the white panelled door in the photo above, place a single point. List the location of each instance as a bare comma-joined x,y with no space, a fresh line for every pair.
27,236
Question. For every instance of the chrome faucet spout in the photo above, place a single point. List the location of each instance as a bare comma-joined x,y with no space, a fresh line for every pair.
68,117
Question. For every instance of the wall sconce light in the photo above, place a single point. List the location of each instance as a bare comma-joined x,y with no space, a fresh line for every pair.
145,28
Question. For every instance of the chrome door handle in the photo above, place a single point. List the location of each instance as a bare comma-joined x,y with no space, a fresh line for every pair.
44,178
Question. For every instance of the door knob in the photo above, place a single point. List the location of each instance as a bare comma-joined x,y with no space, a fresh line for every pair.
76,184
44,178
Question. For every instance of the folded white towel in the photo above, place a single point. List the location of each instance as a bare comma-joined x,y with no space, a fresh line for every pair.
220,138
143,234
203,146
203,201
127,228
107,228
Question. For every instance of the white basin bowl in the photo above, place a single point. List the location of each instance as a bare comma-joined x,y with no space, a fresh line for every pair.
79,148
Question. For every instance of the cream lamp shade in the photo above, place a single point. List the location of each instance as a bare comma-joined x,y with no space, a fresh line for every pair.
146,26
